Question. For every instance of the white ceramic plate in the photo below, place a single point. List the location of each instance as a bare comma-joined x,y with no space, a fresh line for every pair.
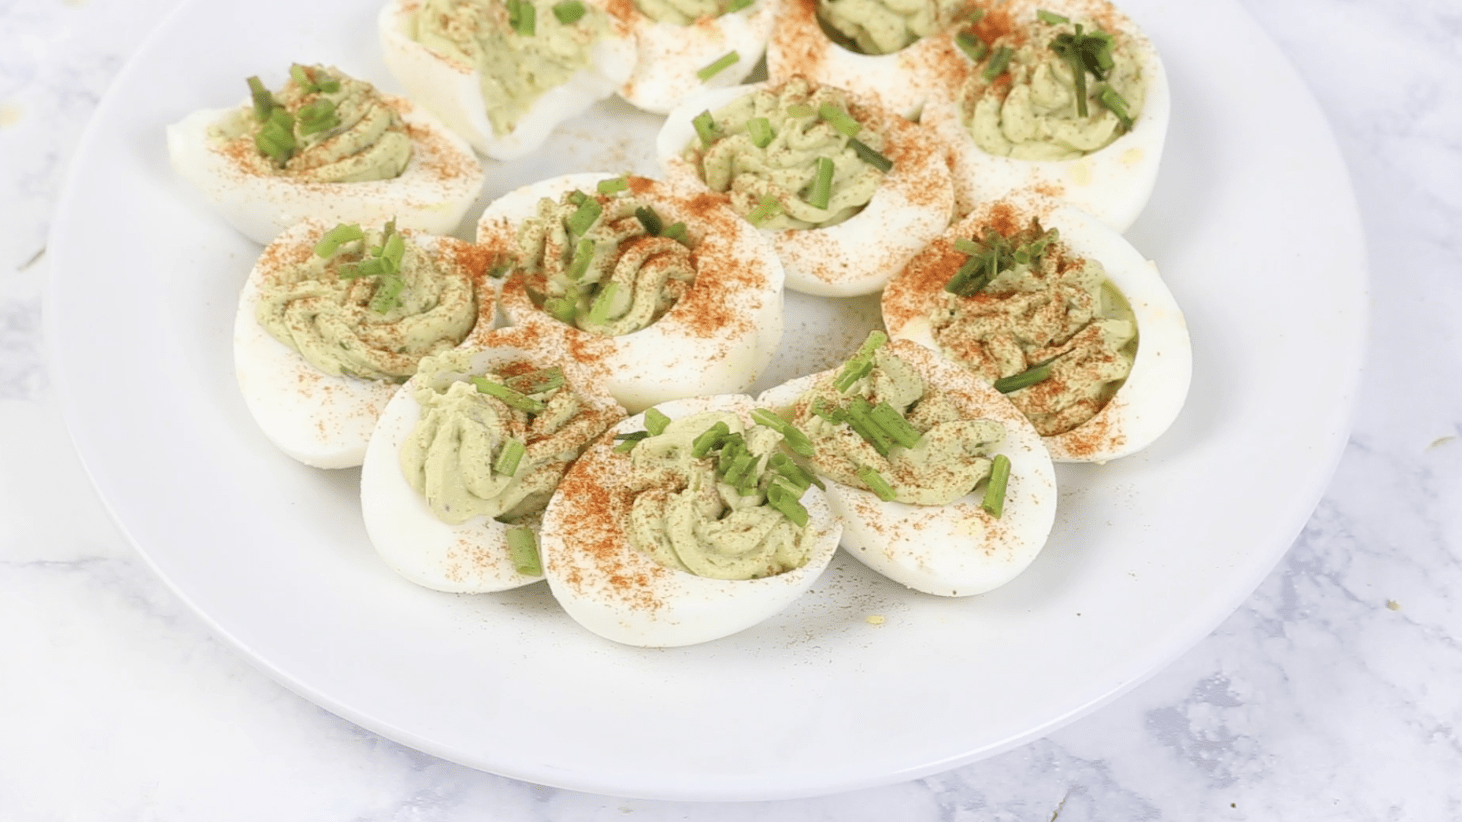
1253,223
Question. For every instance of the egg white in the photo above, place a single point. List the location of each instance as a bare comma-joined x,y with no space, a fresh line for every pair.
1153,394
622,594
470,557
958,549
672,357
321,420
433,193
668,56
1114,183
453,91
912,206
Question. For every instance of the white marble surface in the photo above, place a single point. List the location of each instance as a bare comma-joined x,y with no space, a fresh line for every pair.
1334,692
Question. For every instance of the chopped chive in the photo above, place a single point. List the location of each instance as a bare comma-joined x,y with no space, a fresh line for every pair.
722,63
1051,17
861,362
800,110
998,61
785,499
734,447
579,223
869,156
675,231
994,501
364,268
968,246
577,197
788,467
599,309
737,5
523,549
392,252
537,382
301,79
318,116
613,185
1024,379
627,442
1117,105
583,256
971,13
860,419
793,436
822,184
569,11
709,439
336,237
509,397
741,464
764,211
705,127
650,220
263,101
894,423
522,17
973,47
388,293
655,421
760,129
276,137
509,457
564,308
877,484
840,120
971,277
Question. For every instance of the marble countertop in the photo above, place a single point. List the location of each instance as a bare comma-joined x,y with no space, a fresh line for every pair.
1334,692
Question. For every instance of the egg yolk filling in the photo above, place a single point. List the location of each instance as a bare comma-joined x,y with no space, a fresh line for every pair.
884,26
322,126
520,48
717,498
794,157
605,263
876,424
1043,325
495,444
685,12
1057,90
366,303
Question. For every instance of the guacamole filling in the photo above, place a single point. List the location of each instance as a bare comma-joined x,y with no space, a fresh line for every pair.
876,424
323,127
495,444
1042,324
368,304
793,157
1062,90
884,26
520,48
605,263
715,497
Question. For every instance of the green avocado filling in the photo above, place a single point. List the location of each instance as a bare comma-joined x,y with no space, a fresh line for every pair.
685,12
495,444
368,303
885,26
877,425
1043,325
520,48
1066,89
793,157
717,498
322,126
604,263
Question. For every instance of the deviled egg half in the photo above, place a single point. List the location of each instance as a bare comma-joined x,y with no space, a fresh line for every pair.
466,456
330,147
332,320
692,522
845,189
941,484
683,47
662,296
1071,100
505,73
1057,310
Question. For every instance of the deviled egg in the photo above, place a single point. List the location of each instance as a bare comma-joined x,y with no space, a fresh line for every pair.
466,455
663,296
689,524
941,484
1060,312
331,321
1029,120
683,47
504,75
845,189
330,147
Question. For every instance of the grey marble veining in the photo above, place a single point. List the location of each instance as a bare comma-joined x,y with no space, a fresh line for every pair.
1333,693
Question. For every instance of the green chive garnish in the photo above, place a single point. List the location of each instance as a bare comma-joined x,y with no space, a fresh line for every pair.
509,457
509,397
877,484
301,79
764,211
840,120
973,47
564,308
655,421
822,184
860,419
787,467
627,442
583,219
522,17
737,5
276,138
724,62
894,423
861,362
795,439
577,197
388,293
1024,379
263,101
599,309
994,501
336,237
583,256
869,156
760,129
705,128
392,252
1117,105
523,549
650,220
785,499
318,116
613,185
800,110
1051,17
709,439
675,231
998,61
569,11
537,382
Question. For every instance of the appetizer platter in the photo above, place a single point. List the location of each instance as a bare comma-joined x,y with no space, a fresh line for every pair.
713,344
